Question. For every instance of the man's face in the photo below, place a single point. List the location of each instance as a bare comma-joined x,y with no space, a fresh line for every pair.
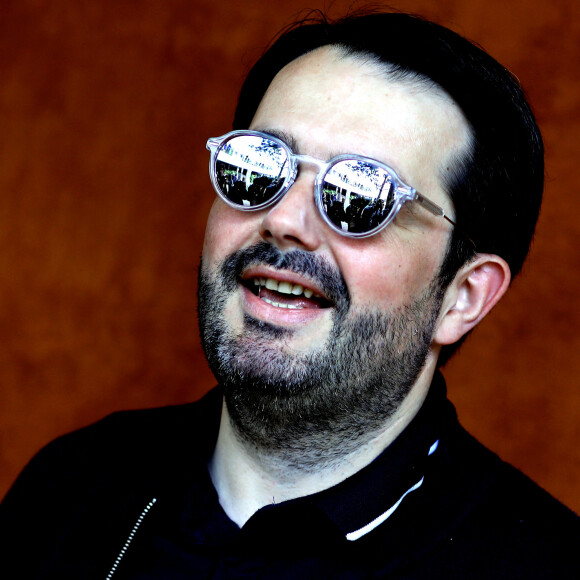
377,296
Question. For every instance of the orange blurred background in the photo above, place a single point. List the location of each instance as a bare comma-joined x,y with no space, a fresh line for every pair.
105,108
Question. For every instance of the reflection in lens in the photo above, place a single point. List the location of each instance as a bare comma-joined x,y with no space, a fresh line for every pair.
250,170
357,195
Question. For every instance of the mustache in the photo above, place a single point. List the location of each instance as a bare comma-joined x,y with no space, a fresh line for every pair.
327,277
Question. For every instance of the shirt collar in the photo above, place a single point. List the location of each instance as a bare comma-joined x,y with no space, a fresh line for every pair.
368,498
353,507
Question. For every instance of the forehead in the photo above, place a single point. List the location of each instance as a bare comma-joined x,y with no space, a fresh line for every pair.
331,104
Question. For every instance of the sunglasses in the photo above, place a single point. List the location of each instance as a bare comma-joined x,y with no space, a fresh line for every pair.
356,196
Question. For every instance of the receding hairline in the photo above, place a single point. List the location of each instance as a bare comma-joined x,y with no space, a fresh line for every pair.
378,67
415,83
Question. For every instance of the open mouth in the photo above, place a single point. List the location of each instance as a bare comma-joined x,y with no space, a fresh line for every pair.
284,294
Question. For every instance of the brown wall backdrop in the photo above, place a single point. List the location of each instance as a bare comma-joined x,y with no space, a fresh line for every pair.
104,111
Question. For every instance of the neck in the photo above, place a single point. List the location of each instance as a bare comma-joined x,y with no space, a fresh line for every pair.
247,478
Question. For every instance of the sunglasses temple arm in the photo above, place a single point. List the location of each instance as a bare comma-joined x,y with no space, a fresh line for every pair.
438,211
432,207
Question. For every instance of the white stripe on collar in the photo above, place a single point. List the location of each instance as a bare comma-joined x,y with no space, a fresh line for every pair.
352,536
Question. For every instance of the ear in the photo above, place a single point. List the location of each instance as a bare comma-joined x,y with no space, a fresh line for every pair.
475,290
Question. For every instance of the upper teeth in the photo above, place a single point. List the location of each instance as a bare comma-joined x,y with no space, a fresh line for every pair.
285,287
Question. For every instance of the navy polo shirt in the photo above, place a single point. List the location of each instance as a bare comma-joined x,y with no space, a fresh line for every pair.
349,530
130,498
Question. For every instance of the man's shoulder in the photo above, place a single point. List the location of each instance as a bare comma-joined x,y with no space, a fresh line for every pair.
145,431
93,483
128,444
527,512
171,421
505,486
506,524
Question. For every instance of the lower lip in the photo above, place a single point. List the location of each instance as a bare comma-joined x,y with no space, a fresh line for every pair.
261,310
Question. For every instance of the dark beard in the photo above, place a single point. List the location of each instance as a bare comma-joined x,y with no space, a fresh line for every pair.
318,407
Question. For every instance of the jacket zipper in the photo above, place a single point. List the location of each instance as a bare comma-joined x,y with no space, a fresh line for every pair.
130,538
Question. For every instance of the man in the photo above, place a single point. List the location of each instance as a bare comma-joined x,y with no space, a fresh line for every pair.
329,448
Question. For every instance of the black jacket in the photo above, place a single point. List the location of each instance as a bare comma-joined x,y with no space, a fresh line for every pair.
130,496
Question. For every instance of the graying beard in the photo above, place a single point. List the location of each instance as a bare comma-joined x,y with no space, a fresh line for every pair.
315,409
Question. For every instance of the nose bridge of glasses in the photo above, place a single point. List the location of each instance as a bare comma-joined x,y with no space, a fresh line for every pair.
318,165
309,160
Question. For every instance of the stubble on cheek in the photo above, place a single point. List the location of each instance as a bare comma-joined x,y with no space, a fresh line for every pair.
312,406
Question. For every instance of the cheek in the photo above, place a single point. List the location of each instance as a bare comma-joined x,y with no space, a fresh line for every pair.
226,231
212,238
390,276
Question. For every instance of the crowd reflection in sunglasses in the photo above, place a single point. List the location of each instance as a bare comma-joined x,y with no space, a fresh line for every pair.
352,212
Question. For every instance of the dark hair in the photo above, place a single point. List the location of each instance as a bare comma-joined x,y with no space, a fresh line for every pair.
496,188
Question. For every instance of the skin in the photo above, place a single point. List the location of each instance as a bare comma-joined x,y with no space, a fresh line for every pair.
322,101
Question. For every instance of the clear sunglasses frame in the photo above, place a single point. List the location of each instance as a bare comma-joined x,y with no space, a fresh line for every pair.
401,191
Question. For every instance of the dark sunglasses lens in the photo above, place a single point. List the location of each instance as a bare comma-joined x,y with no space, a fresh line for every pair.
357,195
251,170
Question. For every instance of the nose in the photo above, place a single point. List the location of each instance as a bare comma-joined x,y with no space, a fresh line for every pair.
294,221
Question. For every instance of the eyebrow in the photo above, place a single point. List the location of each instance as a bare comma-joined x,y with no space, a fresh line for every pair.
291,141
432,207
